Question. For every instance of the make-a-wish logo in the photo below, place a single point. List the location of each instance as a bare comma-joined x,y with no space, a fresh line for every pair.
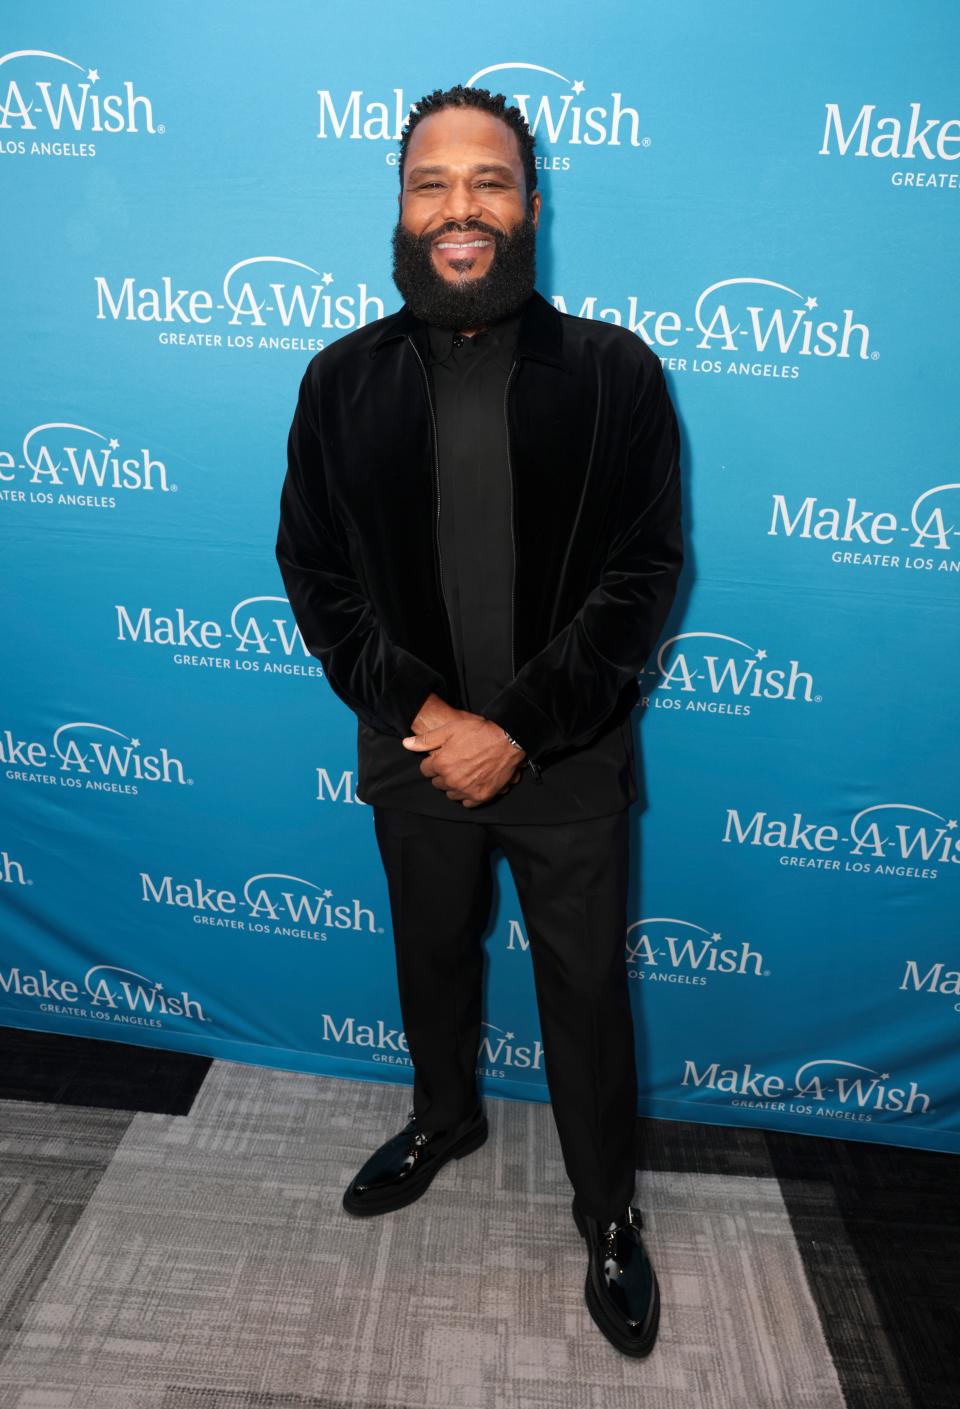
516,939
69,465
339,787
931,526
271,902
664,949
733,323
376,1041
268,300
896,839
894,138
87,755
708,672
933,978
501,1055
105,992
826,1086
257,635
563,112
557,112
12,872
44,93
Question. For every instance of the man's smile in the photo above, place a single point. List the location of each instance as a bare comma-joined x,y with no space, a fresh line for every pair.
462,250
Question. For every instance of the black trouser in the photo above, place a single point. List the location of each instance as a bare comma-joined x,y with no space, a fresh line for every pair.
571,879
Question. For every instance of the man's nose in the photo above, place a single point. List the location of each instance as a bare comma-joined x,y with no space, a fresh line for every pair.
462,203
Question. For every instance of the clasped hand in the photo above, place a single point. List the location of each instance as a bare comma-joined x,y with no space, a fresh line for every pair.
467,756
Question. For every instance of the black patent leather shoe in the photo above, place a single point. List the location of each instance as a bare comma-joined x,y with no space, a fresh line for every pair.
621,1289
402,1168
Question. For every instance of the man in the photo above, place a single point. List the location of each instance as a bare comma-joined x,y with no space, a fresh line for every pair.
480,539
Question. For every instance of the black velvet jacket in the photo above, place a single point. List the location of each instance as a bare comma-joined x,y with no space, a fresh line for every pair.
594,457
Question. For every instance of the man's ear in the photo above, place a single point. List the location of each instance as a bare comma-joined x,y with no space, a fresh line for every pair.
536,202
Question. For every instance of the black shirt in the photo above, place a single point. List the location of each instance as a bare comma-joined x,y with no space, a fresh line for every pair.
469,380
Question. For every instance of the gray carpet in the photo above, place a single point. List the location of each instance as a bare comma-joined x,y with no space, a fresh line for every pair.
203,1261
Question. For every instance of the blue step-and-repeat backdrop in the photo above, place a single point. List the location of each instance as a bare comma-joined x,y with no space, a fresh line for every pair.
199,198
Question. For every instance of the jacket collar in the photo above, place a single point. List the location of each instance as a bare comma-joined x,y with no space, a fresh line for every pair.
540,335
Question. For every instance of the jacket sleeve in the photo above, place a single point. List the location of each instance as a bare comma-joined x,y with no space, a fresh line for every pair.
381,682
563,694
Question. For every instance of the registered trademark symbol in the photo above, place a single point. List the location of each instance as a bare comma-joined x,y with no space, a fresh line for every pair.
30,883
874,356
818,699
646,142
765,973
174,488
161,127
190,782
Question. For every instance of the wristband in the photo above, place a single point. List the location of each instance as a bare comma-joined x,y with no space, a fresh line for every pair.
528,761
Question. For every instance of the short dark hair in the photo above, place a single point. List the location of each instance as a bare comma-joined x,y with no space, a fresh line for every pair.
495,103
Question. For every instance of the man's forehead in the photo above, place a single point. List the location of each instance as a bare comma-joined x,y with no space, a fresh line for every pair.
462,134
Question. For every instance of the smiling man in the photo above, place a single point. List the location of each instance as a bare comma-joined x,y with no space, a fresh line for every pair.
480,537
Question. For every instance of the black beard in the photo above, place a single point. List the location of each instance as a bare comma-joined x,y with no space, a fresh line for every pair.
466,303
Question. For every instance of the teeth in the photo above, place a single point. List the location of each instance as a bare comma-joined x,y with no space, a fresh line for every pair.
456,245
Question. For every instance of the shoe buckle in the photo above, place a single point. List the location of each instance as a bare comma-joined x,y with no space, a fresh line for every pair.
632,1218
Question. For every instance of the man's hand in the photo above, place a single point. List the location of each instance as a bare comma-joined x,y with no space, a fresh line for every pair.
467,756
432,712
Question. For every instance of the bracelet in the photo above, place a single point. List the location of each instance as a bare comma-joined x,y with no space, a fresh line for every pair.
528,761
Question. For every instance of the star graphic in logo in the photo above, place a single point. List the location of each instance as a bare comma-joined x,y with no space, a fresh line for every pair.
716,937
113,443
134,743
92,75
327,894
952,823
811,302
328,278
577,87
508,1036
761,655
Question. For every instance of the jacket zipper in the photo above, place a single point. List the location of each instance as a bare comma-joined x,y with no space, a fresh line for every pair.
534,768
436,526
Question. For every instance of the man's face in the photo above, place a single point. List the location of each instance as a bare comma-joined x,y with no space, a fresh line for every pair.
463,173
464,243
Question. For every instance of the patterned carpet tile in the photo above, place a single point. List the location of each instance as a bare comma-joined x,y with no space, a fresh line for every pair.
213,1266
879,1233
51,1160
